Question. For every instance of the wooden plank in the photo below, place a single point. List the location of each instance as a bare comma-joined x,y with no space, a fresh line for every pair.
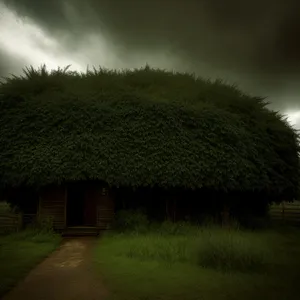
9,215
286,209
65,208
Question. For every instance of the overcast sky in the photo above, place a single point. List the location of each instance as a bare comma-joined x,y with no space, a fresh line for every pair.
254,44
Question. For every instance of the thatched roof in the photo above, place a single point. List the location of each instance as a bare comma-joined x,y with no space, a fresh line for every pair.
140,128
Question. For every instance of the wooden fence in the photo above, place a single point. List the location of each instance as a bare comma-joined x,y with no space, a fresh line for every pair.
10,222
29,219
286,212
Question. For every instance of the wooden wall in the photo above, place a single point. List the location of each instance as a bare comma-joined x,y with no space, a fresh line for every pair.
100,212
52,204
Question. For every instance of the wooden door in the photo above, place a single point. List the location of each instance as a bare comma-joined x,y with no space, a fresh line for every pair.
90,207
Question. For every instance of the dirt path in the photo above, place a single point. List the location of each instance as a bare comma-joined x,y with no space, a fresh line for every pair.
65,275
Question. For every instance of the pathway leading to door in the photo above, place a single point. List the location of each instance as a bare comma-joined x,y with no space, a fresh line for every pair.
65,275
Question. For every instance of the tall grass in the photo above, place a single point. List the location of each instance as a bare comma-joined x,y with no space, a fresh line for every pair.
231,250
183,261
207,246
210,248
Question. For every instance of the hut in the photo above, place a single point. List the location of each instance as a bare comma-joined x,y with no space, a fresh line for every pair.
81,140
79,204
84,206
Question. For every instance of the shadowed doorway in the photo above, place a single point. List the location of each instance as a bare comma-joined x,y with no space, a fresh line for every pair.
81,205
75,205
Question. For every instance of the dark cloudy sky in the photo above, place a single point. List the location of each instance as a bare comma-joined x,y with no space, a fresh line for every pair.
255,44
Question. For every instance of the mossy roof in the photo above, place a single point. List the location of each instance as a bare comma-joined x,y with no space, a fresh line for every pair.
143,127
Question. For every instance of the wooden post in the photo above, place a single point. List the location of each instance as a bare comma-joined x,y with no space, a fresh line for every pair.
66,200
39,210
174,210
283,210
20,221
225,216
167,210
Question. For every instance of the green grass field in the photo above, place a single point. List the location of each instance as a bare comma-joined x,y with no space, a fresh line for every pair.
201,264
20,252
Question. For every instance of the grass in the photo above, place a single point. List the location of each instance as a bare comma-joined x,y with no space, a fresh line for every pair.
200,263
5,207
20,252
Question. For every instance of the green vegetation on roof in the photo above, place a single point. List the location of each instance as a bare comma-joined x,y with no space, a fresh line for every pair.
142,127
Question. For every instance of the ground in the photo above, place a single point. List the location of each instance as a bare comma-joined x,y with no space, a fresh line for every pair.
167,263
64,275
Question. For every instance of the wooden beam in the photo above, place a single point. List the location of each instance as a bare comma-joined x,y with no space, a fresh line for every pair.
66,199
39,209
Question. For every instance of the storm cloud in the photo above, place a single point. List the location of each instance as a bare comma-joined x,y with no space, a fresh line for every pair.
255,44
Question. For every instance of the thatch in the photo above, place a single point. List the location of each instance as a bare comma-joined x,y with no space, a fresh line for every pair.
143,127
